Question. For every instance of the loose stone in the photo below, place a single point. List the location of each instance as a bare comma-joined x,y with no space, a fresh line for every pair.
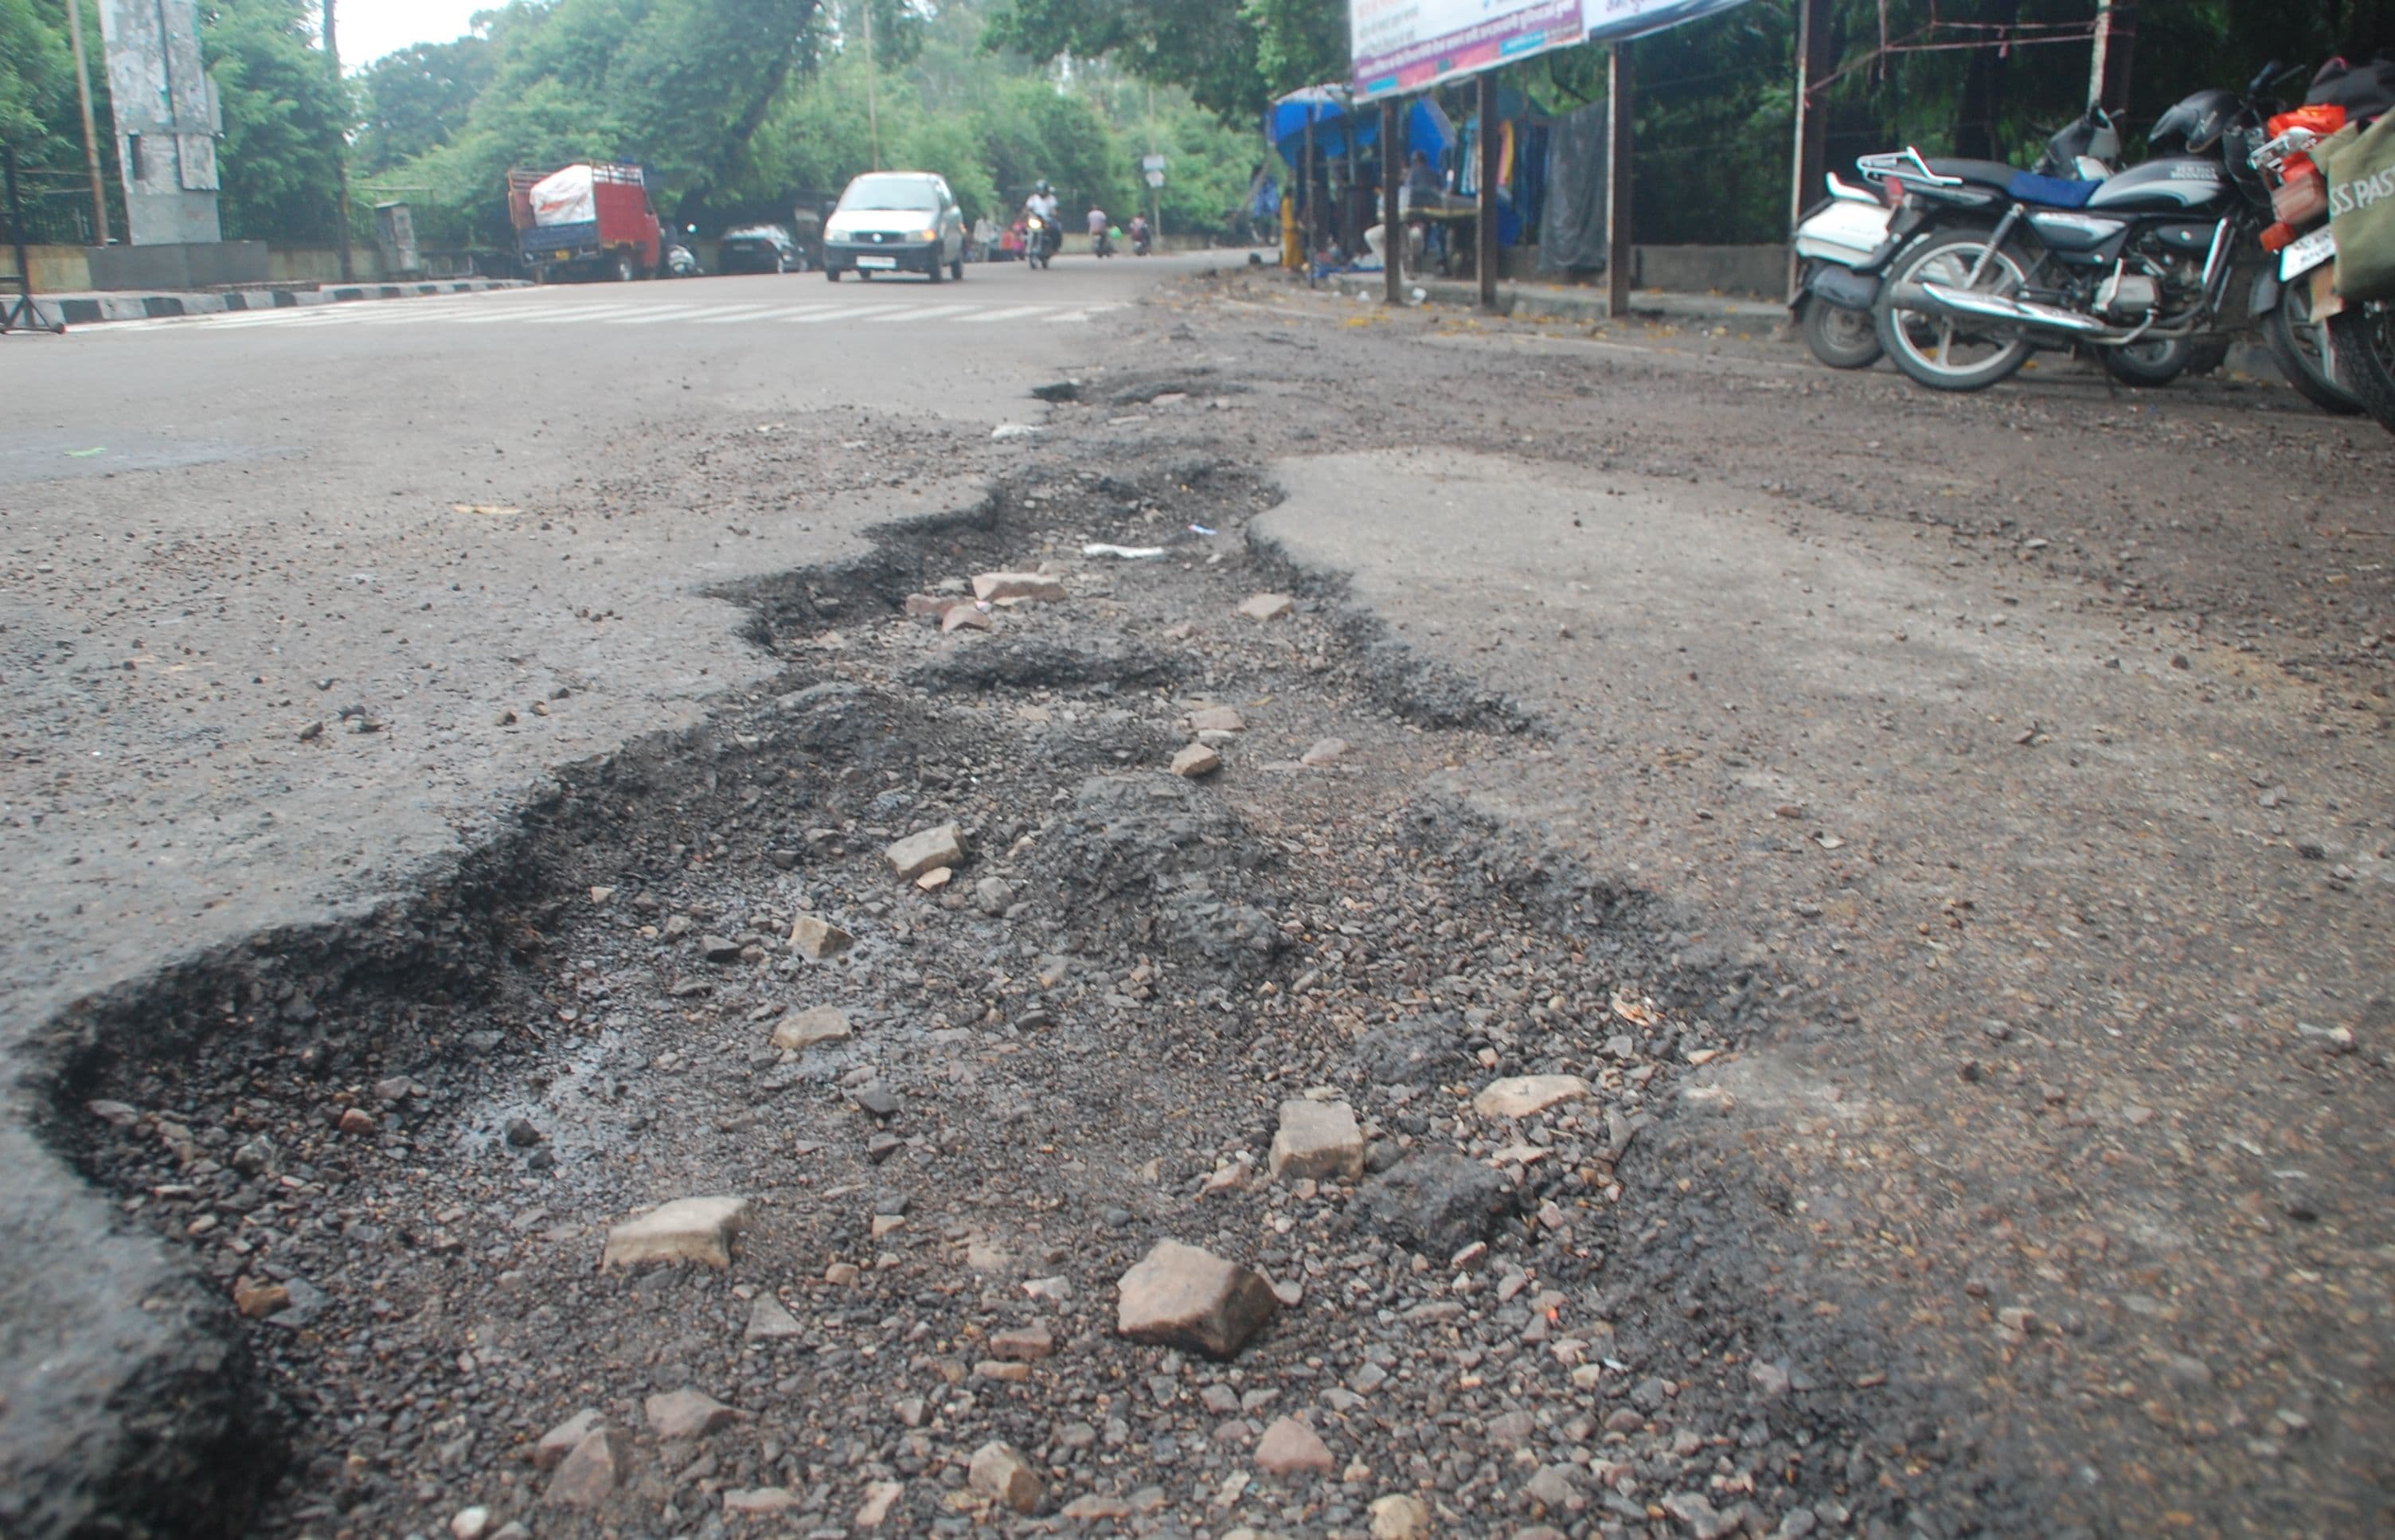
587,1477
1399,1516
1268,606
802,1030
994,587
1195,761
768,1320
1000,1470
1027,1343
1181,1296
879,1498
1290,1447
688,1230
559,1442
812,936
922,851
686,1413
1317,1140
1528,1096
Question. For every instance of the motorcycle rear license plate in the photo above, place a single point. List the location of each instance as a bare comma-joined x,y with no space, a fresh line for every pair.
877,262
2309,253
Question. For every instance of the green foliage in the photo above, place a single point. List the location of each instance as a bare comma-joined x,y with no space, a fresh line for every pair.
993,124
1208,46
36,79
283,116
416,99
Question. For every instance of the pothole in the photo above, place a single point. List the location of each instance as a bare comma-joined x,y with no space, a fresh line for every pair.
397,1143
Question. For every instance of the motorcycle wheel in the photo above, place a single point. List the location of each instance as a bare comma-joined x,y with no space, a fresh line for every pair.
2363,337
2156,363
2301,349
1942,353
1841,337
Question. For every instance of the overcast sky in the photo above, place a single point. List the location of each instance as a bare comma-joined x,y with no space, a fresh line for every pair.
373,28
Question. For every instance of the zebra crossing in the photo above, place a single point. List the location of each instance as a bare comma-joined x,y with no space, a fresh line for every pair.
520,309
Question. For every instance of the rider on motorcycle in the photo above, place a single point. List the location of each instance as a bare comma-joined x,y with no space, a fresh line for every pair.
1043,203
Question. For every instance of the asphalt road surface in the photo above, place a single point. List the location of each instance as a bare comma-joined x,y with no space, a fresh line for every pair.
1946,837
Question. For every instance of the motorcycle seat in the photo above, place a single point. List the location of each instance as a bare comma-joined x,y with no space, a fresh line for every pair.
2051,192
1995,173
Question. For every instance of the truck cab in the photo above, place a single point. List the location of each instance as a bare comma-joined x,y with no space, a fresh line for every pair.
590,220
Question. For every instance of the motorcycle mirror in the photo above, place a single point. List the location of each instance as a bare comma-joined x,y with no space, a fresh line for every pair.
2270,71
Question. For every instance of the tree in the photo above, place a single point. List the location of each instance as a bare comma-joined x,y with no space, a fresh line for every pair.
283,112
420,98
1208,45
36,81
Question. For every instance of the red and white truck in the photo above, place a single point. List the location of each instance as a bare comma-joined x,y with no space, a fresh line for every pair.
591,219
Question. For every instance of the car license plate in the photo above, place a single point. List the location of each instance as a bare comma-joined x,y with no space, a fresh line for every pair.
2308,253
877,262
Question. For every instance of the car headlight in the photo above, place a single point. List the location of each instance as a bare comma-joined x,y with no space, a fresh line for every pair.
927,234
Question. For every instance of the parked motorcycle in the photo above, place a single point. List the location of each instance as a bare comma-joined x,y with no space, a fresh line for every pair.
2300,245
2360,332
2134,267
679,263
1845,243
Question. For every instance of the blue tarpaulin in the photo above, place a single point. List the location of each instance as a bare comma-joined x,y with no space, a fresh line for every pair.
1427,128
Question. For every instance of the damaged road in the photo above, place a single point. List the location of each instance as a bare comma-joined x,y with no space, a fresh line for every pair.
1605,978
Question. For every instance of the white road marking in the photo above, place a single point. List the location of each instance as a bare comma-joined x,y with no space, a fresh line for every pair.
844,312
649,316
739,312
584,312
507,310
924,313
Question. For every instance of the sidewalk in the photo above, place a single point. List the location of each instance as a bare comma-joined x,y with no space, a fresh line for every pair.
91,307
2246,360
1575,302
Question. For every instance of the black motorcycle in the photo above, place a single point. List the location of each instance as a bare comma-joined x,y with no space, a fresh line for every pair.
2134,267
1041,236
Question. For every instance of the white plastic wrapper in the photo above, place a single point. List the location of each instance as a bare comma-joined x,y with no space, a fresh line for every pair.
564,198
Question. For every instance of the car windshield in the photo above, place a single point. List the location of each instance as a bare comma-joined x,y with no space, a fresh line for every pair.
904,192
756,232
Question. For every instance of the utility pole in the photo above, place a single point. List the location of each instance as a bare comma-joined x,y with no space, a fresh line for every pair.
1620,253
90,133
1155,190
2108,71
340,138
1812,118
1393,224
1484,258
872,108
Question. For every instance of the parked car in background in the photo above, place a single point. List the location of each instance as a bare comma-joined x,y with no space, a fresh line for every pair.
759,248
895,221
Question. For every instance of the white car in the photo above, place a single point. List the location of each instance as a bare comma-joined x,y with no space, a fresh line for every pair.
895,221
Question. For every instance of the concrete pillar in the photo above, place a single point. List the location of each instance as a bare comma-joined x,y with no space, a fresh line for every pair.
166,120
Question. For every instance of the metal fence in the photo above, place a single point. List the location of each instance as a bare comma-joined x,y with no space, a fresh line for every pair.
57,203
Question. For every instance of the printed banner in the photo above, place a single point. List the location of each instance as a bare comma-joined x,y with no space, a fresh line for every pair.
1603,20
1409,45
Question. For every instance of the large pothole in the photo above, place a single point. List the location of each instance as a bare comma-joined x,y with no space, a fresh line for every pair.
396,1144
